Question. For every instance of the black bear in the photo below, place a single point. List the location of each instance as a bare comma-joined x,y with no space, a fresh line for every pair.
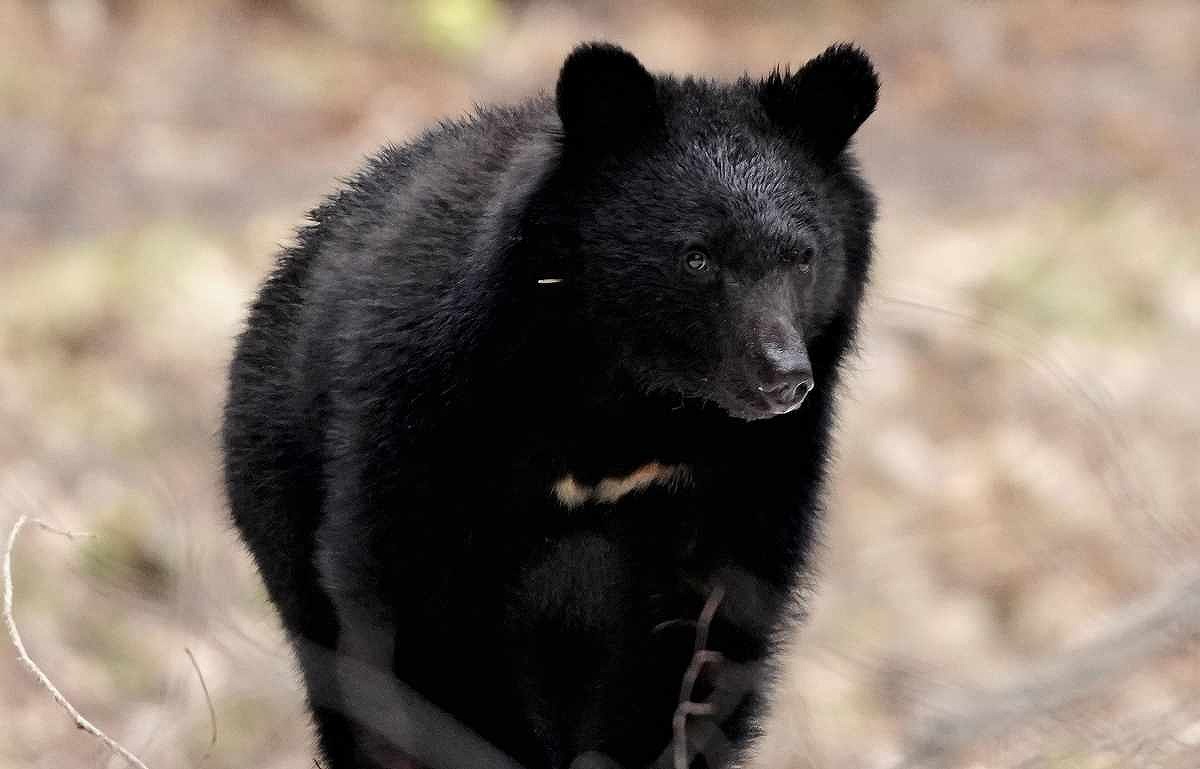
526,433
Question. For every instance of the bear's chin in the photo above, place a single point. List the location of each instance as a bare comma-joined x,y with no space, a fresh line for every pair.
749,414
751,408
730,402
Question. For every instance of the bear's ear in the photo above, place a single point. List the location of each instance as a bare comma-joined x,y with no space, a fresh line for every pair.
824,102
606,99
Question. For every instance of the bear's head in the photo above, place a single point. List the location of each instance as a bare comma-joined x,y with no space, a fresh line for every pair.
720,232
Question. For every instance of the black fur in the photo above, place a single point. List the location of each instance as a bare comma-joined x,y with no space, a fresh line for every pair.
575,287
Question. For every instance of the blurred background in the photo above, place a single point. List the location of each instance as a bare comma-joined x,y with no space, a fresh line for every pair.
1009,570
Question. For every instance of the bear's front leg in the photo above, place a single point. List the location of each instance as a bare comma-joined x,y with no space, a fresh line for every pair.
378,601
619,667
361,664
592,688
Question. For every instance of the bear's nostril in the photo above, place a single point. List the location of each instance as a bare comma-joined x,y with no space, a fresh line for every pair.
805,386
787,389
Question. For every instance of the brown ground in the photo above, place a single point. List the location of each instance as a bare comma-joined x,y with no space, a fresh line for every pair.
1017,483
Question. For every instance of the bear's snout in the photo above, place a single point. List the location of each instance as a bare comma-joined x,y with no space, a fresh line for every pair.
786,379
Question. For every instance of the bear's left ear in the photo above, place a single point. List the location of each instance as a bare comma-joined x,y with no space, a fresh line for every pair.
606,99
824,102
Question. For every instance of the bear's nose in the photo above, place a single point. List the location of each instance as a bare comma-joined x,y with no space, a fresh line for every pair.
784,373
785,376
784,389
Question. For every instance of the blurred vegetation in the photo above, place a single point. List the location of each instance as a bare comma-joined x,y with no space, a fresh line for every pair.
1018,442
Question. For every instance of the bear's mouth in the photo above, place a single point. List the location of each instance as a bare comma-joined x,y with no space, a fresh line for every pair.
752,405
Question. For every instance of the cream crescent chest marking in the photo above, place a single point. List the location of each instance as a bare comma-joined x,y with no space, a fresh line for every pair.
572,494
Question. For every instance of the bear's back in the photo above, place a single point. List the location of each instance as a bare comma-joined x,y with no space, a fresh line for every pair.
418,205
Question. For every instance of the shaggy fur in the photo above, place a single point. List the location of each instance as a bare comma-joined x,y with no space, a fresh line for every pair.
529,387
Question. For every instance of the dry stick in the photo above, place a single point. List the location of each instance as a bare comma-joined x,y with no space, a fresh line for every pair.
212,712
700,656
11,625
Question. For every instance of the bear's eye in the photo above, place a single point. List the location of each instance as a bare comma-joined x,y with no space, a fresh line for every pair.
802,257
697,262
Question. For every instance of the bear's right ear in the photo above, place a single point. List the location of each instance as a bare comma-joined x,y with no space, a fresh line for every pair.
606,99
824,102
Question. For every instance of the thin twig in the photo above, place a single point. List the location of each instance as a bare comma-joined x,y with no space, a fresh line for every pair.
212,712
700,657
706,616
11,625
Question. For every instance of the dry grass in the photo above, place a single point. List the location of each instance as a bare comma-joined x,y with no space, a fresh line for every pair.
1019,438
